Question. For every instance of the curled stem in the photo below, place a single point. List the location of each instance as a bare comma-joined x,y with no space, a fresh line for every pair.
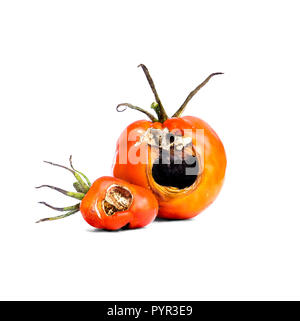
57,217
193,93
153,119
162,112
77,195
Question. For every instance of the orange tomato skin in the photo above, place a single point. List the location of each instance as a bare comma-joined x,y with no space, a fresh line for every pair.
143,209
128,171
213,159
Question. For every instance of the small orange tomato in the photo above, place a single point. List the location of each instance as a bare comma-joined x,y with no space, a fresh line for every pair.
109,203
181,159
112,203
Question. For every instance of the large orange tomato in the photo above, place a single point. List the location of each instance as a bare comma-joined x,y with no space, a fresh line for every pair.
181,159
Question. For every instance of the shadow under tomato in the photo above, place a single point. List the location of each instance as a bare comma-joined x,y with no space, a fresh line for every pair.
126,227
161,219
123,229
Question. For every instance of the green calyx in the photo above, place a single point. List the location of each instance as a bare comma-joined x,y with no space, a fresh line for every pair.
81,186
157,105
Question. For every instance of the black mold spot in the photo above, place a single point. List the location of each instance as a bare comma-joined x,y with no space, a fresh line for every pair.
172,169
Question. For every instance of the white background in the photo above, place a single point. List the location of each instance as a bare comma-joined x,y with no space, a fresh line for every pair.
65,65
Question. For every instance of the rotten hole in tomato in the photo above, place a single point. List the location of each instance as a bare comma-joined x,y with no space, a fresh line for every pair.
117,199
175,168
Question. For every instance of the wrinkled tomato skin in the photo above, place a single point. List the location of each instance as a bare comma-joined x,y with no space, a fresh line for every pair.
213,160
143,209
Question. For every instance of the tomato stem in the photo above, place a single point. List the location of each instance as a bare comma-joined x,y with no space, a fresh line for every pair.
157,110
153,119
78,187
57,217
83,185
193,93
62,209
77,195
86,179
162,113
81,189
